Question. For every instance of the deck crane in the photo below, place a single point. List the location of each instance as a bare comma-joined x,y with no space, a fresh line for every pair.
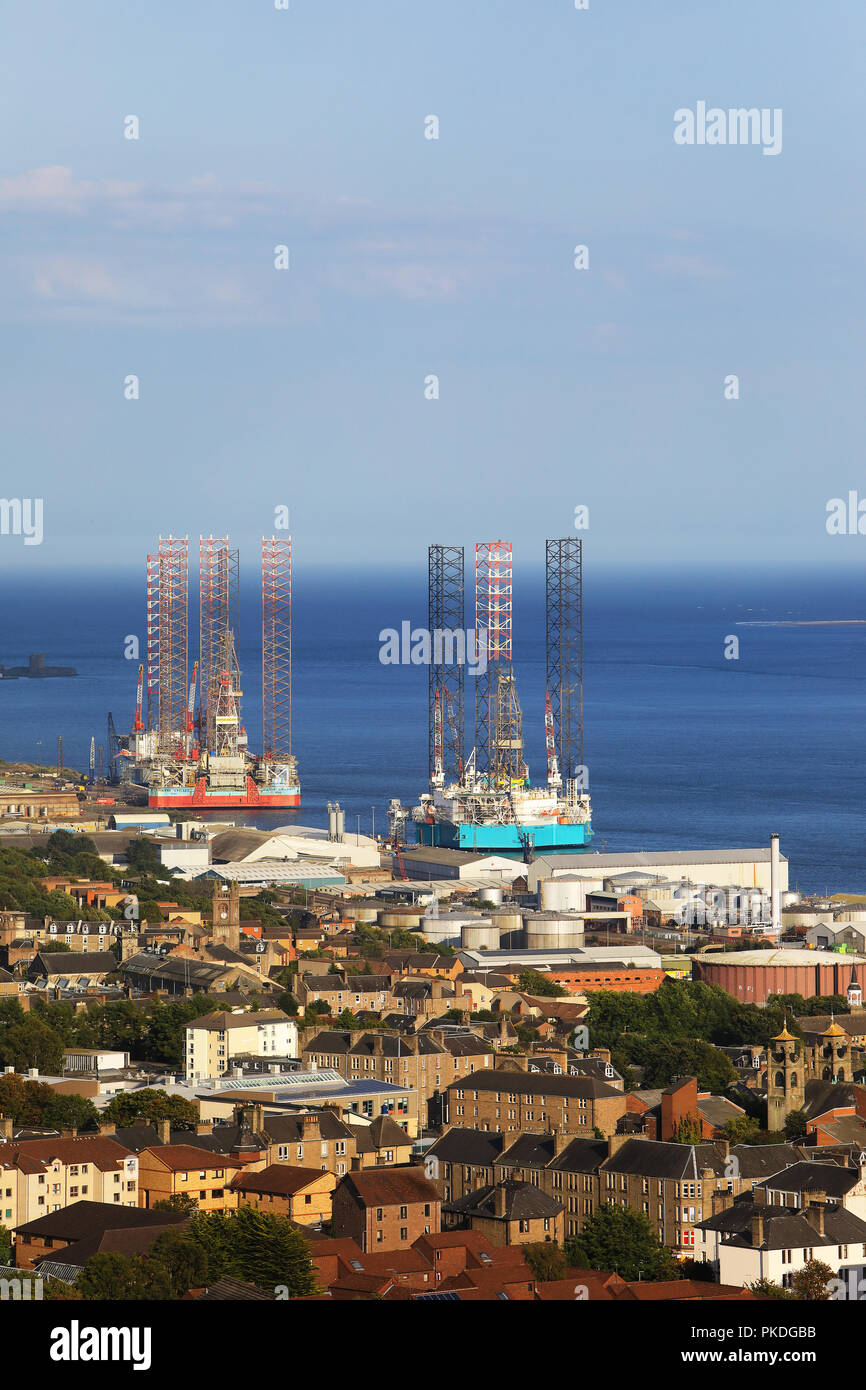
554,777
138,726
190,715
438,742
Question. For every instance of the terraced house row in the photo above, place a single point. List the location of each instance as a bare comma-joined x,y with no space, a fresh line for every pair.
676,1185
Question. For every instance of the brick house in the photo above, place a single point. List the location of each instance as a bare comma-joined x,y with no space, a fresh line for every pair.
508,1213
302,1194
185,1170
502,1100
427,1061
386,1209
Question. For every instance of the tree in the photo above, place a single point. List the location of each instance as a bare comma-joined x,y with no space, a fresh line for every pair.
288,1003
742,1130
182,1258
31,1043
149,1105
315,1007
70,1112
142,856
532,982
621,1239
811,1282
795,1124
178,1201
545,1259
687,1130
255,1246
116,1278
766,1288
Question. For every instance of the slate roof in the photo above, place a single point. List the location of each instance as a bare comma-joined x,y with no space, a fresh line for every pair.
77,962
282,1179
388,1187
783,1228
470,1146
814,1177
655,1159
84,1219
523,1202
536,1084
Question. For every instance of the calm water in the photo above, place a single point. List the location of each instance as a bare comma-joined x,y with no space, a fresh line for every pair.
684,748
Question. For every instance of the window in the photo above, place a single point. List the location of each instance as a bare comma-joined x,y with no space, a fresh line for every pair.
404,1233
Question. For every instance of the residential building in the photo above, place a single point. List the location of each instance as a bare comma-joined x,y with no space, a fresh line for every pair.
302,1194
386,1208
216,1037
38,1176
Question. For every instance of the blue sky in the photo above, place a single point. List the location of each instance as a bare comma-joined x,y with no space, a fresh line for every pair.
409,257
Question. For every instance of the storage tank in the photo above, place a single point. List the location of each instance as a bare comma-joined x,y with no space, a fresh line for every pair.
551,931
409,919
564,894
510,925
480,936
363,912
852,914
491,895
789,898
441,931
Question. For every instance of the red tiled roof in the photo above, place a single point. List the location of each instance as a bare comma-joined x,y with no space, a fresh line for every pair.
281,1178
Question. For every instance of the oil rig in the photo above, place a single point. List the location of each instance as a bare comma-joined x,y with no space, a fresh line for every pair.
199,757
486,801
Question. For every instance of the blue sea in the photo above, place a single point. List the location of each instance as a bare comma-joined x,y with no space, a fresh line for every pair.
685,748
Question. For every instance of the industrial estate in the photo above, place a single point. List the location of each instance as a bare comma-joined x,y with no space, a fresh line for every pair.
490,1063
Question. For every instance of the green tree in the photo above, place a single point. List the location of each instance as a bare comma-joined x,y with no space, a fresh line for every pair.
687,1130
621,1239
150,1105
532,982
766,1288
811,1282
115,1278
742,1129
31,1043
183,1259
178,1201
795,1125
546,1260
255,1246
70,1112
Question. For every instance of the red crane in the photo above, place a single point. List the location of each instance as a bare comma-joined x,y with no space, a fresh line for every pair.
138,726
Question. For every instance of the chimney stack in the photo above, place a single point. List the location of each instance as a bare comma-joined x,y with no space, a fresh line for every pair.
816,1210
163,1129
499,1197
757,1225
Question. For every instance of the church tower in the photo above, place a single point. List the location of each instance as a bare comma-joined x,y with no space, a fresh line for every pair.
226,915
832,1060
786,1083
854,993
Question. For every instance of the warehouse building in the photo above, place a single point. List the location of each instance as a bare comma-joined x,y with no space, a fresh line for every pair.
747,868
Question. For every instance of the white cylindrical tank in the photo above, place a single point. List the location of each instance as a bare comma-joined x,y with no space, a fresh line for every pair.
407,918
491,895
440,931
510,925
789,898
480,936
564,894
551,931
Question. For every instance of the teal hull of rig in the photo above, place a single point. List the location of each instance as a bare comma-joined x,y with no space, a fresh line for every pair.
504,839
